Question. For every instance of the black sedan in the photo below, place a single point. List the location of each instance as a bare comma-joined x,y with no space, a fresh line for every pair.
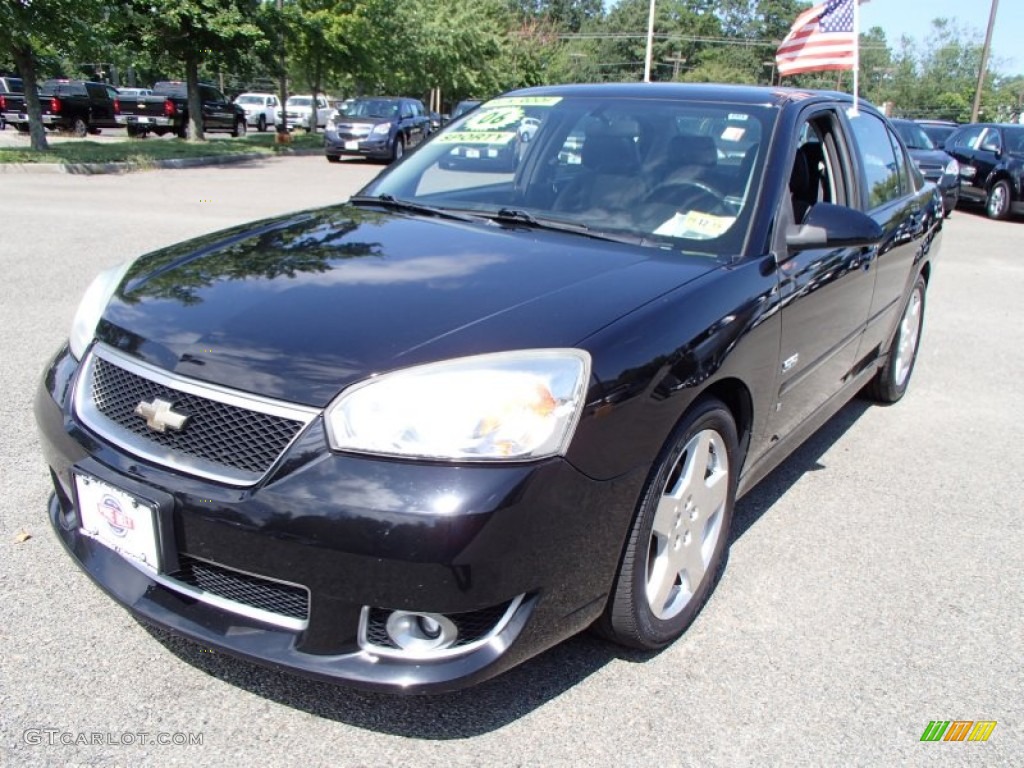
379,128
407,442
991,158
934,164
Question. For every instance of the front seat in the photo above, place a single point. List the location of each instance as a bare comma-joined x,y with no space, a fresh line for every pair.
610,180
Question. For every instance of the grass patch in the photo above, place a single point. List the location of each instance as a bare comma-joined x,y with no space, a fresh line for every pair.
147,152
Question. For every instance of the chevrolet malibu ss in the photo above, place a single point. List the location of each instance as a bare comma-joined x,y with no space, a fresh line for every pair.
407,442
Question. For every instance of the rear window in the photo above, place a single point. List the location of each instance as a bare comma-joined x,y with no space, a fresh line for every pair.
12,85
178,90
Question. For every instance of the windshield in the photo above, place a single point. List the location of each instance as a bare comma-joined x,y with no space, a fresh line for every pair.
913,135
249,100
463,107
299,101
662,172
1013,140
375,108
938,133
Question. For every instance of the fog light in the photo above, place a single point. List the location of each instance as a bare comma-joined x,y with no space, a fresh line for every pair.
419,632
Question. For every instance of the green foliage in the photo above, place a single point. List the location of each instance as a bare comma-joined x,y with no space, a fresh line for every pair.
477,48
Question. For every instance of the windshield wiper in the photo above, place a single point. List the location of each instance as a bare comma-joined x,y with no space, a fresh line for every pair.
392,202
518,216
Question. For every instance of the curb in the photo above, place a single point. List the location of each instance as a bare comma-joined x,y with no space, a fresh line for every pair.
93,169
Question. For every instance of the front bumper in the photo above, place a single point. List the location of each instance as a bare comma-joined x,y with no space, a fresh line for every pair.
359,534
373,146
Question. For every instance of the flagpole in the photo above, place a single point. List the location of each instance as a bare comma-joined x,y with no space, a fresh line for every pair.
856,54
650,44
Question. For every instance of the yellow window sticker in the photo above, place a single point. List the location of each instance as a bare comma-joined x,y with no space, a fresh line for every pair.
696,225
487,119
476,137
525,101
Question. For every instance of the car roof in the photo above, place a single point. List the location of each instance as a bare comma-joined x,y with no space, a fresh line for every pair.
733,94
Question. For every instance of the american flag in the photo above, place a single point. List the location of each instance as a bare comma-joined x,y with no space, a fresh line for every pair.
821,38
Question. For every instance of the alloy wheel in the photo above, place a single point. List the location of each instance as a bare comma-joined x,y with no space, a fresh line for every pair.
687,524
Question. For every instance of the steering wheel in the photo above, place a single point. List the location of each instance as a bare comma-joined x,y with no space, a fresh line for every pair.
689,195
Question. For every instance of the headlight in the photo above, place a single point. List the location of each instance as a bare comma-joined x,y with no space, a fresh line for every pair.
381,129
506,406
952,167
91,307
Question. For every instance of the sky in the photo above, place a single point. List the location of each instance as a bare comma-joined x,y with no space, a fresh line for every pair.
913,19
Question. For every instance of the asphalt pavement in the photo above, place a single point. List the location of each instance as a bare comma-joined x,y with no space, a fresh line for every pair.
874,582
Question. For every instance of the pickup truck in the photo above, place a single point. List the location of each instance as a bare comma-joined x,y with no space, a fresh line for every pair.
298,109
260,109
11,91
78,106
166,111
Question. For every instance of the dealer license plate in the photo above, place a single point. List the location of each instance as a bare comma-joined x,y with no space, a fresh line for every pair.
474,153
119,520
351,145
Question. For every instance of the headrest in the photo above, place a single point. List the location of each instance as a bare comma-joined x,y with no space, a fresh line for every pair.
610,154
690,149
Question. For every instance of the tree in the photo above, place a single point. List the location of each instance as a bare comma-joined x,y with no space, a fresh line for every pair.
188,33
29,27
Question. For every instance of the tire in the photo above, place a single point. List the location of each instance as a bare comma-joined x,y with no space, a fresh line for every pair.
182,131
133,132
397,149
240,128
333,158
79,127
997,204
677,543
21,127
891,382
261,123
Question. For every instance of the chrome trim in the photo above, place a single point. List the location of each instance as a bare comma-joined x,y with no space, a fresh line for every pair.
223,603
432,655
86,410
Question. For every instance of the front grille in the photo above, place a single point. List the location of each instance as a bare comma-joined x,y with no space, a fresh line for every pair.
931,171
216,432
473,626
287,600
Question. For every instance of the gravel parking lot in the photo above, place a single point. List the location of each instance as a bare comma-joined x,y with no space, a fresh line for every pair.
874,582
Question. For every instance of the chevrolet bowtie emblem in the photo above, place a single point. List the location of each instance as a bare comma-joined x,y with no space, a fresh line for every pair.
159,416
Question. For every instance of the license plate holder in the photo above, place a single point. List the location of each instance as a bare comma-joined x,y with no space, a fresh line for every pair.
351,145
119,520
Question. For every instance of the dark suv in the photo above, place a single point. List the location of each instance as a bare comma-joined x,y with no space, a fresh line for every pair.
934,164
381,128
991,158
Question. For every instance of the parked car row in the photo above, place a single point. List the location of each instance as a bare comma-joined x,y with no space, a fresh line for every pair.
82,107
987,160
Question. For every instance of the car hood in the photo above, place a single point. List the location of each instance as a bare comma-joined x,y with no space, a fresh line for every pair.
299,307
930,156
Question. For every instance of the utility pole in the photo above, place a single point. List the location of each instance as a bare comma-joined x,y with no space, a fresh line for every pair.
676,61
984,61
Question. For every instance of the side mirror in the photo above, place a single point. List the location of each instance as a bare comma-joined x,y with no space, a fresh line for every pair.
833,226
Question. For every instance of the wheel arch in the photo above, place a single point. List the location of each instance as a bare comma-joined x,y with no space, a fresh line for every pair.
736,396
1003,174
